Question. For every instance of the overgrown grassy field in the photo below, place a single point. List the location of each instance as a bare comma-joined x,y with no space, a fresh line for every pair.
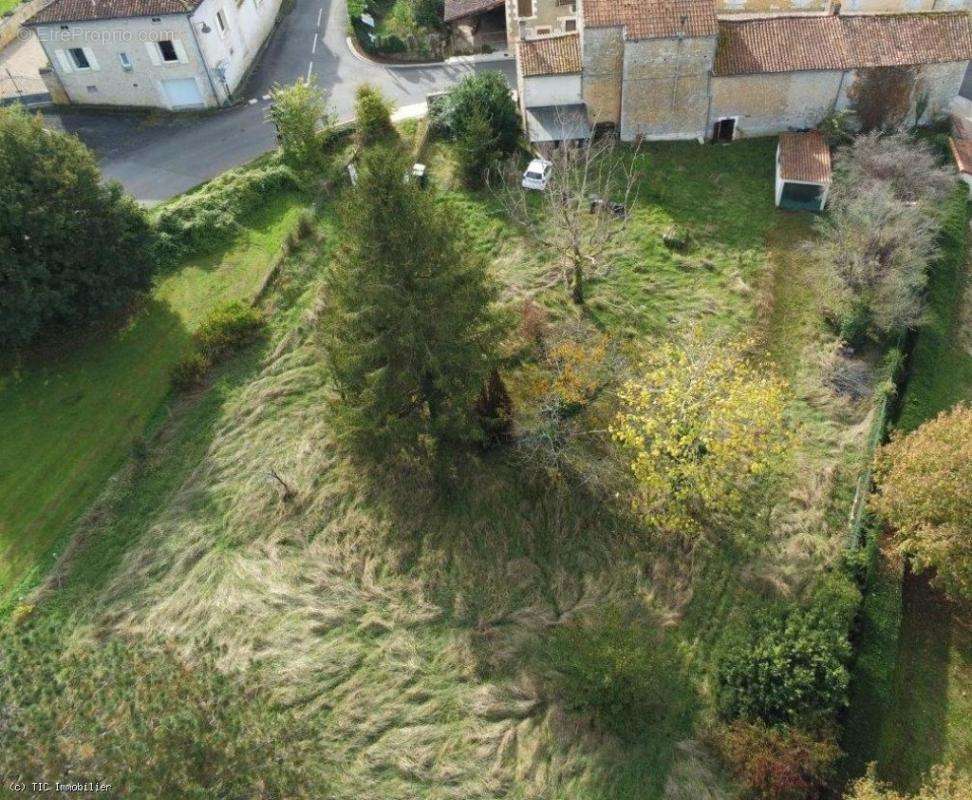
8,5
71,410
409,626
910,704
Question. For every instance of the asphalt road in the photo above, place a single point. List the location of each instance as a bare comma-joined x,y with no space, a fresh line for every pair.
155,156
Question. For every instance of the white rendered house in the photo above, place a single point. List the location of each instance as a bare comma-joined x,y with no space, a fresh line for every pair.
173,54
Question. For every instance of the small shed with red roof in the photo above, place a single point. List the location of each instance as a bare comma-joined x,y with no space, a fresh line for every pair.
802,171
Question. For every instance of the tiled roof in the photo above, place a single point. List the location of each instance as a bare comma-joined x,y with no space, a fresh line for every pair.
792,44
962,152
555,55
653,19
85,10
458,9
804,157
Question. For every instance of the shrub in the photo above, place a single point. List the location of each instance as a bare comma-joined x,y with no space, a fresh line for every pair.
228,327
190,370
210,216
924,494
140,716
875,249
621,669
787,666
944,782
776,763
373,114
908,166
299,114
881,96
486,94
72,248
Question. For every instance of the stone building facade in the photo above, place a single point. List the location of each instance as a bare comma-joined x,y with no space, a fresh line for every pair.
173,54
697,69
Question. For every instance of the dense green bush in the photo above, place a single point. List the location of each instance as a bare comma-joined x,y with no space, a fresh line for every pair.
72,249
211,215
621,670
486,94
226,328
142,718
373,114
788,665
300,115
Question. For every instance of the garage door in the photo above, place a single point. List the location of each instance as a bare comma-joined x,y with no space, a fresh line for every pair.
182,93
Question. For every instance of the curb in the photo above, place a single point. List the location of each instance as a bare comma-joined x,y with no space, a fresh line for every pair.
448,62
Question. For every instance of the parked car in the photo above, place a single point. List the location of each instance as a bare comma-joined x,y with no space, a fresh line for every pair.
537,175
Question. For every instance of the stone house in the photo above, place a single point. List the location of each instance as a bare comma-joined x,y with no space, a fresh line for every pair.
698,69
173,54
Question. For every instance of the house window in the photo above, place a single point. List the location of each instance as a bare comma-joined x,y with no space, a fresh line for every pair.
79,59
92,89
570,25
126,61
221,22
542,31
168,51
524,8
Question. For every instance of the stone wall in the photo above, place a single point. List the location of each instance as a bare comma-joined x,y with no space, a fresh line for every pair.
665,92
767,104
603,62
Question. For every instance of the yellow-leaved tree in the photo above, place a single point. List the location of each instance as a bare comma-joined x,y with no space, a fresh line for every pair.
703,427
924,494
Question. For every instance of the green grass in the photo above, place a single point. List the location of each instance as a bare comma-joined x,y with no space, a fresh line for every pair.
71,411
396,618
910,705
8,5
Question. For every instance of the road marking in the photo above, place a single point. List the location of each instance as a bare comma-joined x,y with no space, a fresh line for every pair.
320,11
314,46
310,69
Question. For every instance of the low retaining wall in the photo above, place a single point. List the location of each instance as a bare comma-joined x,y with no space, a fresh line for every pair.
10,26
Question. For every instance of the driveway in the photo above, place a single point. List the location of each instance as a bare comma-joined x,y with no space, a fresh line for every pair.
155,156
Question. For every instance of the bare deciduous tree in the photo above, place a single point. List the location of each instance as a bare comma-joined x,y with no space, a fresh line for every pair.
583,211
908,165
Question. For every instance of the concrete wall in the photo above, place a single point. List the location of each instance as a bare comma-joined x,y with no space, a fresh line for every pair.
10,26
603,61
898,6
665,93
107,83
766,104
730,7
249,23
552,90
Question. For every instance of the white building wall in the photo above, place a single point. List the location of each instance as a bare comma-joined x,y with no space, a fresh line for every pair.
249,22
106,82
203,57
552,90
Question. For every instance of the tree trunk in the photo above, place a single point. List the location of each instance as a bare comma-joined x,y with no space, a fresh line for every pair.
577,291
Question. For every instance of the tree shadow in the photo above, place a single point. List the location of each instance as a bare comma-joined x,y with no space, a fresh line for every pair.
915,721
